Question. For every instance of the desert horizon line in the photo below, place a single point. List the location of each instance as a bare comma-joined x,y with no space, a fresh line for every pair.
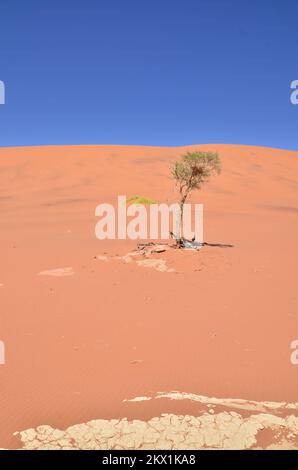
149,146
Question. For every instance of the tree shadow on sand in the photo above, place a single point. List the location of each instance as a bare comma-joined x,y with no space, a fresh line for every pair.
218,245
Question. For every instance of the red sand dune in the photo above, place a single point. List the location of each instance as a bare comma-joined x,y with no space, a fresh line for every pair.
78,345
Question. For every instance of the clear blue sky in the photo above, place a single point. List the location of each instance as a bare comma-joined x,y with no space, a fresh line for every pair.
152,72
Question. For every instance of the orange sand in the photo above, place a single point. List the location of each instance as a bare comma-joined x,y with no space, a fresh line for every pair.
78,345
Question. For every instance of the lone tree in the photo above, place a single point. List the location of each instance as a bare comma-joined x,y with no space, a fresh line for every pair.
190,172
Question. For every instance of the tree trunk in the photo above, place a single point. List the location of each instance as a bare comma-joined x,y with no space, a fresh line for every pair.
180,228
